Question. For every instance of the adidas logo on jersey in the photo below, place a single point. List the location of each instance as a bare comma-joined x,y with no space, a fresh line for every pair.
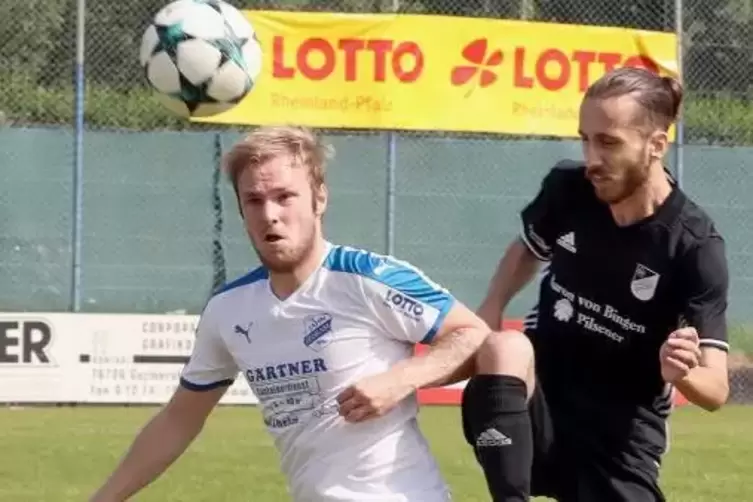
567,241
492,437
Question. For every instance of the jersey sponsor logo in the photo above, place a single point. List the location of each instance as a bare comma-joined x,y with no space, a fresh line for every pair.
316,329
563,310
590,314
284,401
289,390
644,282
404,304
286,370
592,325
557,288
567,241
240,330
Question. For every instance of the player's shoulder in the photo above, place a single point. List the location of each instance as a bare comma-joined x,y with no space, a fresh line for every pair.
568,168
380,268
225,297
567,178
252,279
694,224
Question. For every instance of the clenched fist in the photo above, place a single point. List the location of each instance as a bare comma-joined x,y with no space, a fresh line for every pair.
679,354
371,397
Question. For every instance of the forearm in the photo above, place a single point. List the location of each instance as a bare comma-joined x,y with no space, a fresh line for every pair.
704,387
516,269
155,448
448,360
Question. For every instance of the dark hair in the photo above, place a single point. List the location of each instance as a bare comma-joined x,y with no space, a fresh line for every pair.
660,96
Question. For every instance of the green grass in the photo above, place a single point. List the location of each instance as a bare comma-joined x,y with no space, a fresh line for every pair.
62,454
741,339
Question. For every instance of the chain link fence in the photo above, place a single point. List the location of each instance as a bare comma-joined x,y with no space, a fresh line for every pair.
160,226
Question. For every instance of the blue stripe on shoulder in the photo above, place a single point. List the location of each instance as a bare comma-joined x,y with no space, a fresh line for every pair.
256,275
395,274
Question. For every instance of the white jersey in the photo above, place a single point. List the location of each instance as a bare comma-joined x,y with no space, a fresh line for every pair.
358,314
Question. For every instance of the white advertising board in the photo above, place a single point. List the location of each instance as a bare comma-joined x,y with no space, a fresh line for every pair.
97,358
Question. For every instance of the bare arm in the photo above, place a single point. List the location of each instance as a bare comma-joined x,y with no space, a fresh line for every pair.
516,269
417,311
707,384
706,285
159,444
450,355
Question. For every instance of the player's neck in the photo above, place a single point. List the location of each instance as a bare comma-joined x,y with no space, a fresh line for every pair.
285,284
645,200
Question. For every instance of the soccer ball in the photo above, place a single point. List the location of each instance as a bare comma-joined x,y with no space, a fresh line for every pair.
201,57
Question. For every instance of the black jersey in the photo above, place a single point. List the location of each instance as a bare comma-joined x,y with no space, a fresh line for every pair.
609,297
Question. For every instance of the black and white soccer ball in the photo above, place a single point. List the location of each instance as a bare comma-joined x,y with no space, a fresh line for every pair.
201,57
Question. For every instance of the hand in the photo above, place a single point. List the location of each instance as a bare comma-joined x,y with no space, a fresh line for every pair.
679,354
372,397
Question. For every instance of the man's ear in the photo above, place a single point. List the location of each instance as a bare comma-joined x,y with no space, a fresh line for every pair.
658,145
321,198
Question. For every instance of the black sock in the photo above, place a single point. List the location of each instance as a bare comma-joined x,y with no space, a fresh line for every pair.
496,424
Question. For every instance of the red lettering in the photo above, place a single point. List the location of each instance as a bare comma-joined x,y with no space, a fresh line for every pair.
380,48
403,72
350,46
642,62
317,59
553,69
279,70
609,60
584,60
562,75
520,79
315,45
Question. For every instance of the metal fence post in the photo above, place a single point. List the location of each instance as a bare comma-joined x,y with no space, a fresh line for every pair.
78,157
219,268
680,127
391,181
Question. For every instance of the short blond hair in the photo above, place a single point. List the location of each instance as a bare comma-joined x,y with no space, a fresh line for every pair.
300,143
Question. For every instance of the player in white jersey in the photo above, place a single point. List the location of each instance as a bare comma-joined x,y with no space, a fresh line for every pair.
324,336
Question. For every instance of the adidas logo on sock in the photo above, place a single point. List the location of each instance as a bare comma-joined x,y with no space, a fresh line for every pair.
492,437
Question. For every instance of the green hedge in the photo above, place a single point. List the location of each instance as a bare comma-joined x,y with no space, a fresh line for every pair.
27,103
720,120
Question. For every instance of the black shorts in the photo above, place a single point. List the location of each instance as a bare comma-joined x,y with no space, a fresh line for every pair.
568,472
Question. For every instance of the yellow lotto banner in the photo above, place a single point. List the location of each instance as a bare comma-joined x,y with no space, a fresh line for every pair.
435,73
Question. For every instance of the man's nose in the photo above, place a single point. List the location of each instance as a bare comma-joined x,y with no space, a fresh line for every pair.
591,155
270,212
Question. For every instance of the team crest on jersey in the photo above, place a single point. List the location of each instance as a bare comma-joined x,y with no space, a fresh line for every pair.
317,328
643,285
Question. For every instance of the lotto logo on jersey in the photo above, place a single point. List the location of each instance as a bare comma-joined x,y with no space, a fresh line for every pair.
404,304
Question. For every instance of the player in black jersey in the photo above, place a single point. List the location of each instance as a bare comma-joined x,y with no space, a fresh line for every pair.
632,305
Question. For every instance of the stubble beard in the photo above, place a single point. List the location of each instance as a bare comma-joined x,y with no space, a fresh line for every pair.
289,259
